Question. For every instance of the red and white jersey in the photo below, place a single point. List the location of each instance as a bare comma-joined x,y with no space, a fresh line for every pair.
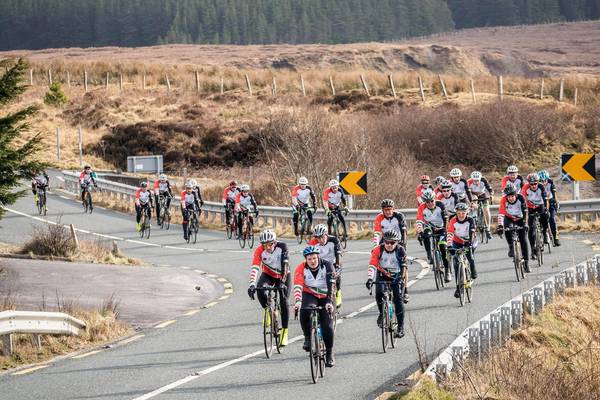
383,224
312,282
329,251
534,198
187,199
303,196
460,188
479,188
518,182
460,231
419,191
85,177
515,211
270,262
162,187
142,196
388,263
435,216
244,201
449,202
230,193
333,199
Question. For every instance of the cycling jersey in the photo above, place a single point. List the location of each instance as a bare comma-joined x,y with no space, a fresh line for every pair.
518,182
318,282
550,189
334,199
420,189
40,180
230,194
461,189
244,201
142,197
460,232
303,196
162,187
329,251
449,202
389,263
534,198
270,262
86,178
188,199
435,216
514,211
481,188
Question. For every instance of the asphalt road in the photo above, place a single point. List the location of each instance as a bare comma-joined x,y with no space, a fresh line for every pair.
217,352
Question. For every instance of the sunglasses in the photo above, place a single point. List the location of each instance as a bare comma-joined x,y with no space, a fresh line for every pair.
268,244
390,242
446,190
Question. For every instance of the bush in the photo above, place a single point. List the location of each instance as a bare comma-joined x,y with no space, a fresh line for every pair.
55,96
51,241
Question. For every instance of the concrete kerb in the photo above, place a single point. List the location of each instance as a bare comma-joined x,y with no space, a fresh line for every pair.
495,328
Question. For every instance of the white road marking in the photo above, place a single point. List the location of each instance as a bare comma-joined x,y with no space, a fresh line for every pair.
131,339
90,353
165,324
228,291
143,243
29,370
225,297
191,312
211,304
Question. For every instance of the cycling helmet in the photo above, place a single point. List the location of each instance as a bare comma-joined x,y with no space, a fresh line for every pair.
245,188
302,181
144,184
425,179
188,185
310,250
267,236
392,235
533,178
512,169
455,173
385,203
233,183
162,177
427,195
476,175
446,185
319,230
510,189
461,207
439,180
544,175
87,167
193,182
333,183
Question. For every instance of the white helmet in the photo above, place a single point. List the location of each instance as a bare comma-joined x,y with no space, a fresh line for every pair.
245,188
193,182
333,183
302,181
512,169
267,236
319,230
162,177
189,185
476,175
455,173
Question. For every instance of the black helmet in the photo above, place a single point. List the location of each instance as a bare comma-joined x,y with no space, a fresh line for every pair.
533,178
427,195
385,203
144,184
510,189
392,235
461,207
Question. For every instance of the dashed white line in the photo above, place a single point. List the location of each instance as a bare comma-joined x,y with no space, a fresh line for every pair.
211,304
90,353
165,324
29,370
131,339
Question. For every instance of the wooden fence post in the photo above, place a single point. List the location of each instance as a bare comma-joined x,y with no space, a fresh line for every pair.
68,79
542,90
575,97
31,77
168,83
392,87
144,81
500,87
248,85
331,85
85,81
274,87
472,84
302,85
365,86
49,77
561,93
222,85
121,82
74,236
421,89
443,87
197,75
107,80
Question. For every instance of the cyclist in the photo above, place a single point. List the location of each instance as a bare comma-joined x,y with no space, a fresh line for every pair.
460,186
535,197
243,201
331,251
438,184
162,189
39,180
553,205
388,264
302,196
461,230
143,202
271,257
512,176
196,189
448,198
389,220
513,211
229,195
86,178
333,199
313,286
433,214
189,204
483,193
425,184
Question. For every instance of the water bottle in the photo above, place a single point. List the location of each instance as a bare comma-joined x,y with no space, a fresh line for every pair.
319,335
391,310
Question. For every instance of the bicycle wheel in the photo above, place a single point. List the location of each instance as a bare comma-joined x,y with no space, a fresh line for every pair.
314,355
166,219
250,235
517,260
436,266
268,331
276,327
321,357
85,202
228,230
242,237
392,327
195,229
539,245
90,208
41,203
469,283
385,322
301,223
148,228
461,284
341,234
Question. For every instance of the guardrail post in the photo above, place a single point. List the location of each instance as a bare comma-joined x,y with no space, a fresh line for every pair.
548,291
580,274
538,300
458,354
559,284
7,345
528,306
504,324
591,271
516,310
495,328
474,343
441,372
597,262
36,340
484,337
570,278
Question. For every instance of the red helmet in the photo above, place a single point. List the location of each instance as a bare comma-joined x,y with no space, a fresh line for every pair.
233,183
425,179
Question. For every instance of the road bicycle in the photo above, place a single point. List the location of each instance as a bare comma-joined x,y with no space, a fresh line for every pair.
231,227
465,283
247,235
272,320
518,261
480,222
193,225
145,222
304,226
435,240
317,350
389,321
539,239
338,228
41,200
164,219
87,198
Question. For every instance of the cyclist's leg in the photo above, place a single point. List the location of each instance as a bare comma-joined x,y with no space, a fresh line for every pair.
82,194
329,222
326,324
532,226
309,215
261,295
544,221
157,202
426,242
398,304
341,217
509,236
149,211
240,219
308,300
471,259
138,213
552,222
295,216
444,254
523,240
379,295
186,215
227,212
283,299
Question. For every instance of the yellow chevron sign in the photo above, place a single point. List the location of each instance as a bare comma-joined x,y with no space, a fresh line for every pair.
578,167
353,182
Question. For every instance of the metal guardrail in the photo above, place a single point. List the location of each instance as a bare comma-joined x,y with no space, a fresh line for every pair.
495,328
36,323
362,219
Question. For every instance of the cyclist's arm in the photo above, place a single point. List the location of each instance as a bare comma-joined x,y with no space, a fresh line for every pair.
298,284
295,196
330,274
313,198
337,251
420,218
450,231
487,186
326,199
373,263
256,263
467,191
137,196
444,214
343,200
253,203
285,260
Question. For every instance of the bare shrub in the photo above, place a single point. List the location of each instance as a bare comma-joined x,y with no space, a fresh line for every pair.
50,240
